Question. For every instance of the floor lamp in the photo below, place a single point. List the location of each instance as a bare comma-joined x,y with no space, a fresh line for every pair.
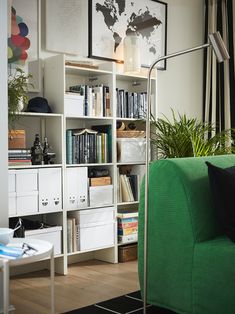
221,53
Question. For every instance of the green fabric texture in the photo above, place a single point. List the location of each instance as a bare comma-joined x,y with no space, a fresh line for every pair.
190,263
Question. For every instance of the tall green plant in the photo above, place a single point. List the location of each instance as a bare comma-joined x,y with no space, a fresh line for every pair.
188,137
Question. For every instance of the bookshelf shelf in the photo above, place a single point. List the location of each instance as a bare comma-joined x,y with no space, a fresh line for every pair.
126,243
92,250
127,203
89,207
90,165
57,126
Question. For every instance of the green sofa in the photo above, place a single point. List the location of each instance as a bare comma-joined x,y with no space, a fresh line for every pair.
191,264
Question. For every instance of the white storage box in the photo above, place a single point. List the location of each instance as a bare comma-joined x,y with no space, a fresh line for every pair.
95,236
27,203
101,195
12,203
98,215
52,234
76,187
49,184
131,149
73,105
26,181
11,181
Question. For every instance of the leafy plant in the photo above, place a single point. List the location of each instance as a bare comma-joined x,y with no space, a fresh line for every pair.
17,93
188,137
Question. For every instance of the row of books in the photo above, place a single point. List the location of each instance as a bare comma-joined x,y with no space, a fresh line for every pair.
131,105
84,146
128,187
96,99
127,226
72,235
19,157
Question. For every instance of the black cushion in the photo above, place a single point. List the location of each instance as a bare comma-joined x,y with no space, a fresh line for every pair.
222,186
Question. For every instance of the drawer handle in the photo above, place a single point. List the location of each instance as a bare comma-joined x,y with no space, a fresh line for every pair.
44,203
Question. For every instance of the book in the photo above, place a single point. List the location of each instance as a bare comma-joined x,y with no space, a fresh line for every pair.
83,131
11,251
125,223
99,181
127,231
106,128
69,235
128,238
127,214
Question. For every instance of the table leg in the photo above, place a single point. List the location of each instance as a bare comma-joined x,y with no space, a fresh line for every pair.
5,286
52,275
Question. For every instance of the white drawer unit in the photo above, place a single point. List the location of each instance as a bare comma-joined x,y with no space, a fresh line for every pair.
73,105
49,187
76,187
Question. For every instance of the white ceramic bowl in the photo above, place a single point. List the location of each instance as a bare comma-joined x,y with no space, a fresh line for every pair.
6,234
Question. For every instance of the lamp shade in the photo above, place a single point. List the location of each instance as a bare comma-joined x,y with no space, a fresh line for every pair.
131,53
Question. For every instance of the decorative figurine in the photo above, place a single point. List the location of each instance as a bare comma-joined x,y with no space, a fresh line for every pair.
37,152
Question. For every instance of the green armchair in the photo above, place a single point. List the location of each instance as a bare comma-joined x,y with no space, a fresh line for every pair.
191,264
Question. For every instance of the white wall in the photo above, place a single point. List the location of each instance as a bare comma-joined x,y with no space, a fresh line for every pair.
180,86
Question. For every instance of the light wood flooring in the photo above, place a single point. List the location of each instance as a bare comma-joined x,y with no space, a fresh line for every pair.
86,283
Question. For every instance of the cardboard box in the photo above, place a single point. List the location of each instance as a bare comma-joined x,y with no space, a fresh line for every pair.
16,139
131,149
52,234
127,253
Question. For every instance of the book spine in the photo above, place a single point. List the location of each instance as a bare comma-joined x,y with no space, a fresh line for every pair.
131,224
69,147
127,231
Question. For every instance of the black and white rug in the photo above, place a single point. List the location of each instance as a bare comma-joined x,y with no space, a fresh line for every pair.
126,304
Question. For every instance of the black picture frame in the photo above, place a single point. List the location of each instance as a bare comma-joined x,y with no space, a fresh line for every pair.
107,18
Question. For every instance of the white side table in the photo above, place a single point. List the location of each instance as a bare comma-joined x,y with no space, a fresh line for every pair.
44,249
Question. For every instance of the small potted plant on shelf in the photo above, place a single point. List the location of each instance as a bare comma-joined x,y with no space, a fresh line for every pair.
17,94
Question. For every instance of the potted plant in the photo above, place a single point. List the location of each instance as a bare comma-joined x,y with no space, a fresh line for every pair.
188,137
17,94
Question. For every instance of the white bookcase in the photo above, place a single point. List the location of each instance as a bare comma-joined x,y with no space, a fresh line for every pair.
57,79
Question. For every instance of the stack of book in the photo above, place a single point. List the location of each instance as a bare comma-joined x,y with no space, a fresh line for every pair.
128,187
131,105
96,99
19,157
127,226
85,146
72,235
11,252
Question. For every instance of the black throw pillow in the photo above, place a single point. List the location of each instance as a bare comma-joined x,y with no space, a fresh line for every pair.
222,186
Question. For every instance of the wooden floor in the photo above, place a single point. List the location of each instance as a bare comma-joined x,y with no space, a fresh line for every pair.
85,284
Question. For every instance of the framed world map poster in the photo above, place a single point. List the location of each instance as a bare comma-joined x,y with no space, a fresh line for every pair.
111,20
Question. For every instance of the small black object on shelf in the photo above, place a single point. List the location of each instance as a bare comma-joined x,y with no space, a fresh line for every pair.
37,151
48,154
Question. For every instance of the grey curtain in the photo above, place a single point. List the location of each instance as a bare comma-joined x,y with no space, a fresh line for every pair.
219,82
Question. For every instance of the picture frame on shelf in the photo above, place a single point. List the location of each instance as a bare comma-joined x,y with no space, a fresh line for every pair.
24,39
110,23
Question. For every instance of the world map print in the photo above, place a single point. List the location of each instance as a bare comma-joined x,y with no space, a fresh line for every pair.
119,18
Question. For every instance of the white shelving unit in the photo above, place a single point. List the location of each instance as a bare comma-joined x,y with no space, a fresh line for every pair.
57,79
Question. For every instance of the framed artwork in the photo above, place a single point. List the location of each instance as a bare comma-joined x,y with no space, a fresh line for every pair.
65,25
110,21
24,38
